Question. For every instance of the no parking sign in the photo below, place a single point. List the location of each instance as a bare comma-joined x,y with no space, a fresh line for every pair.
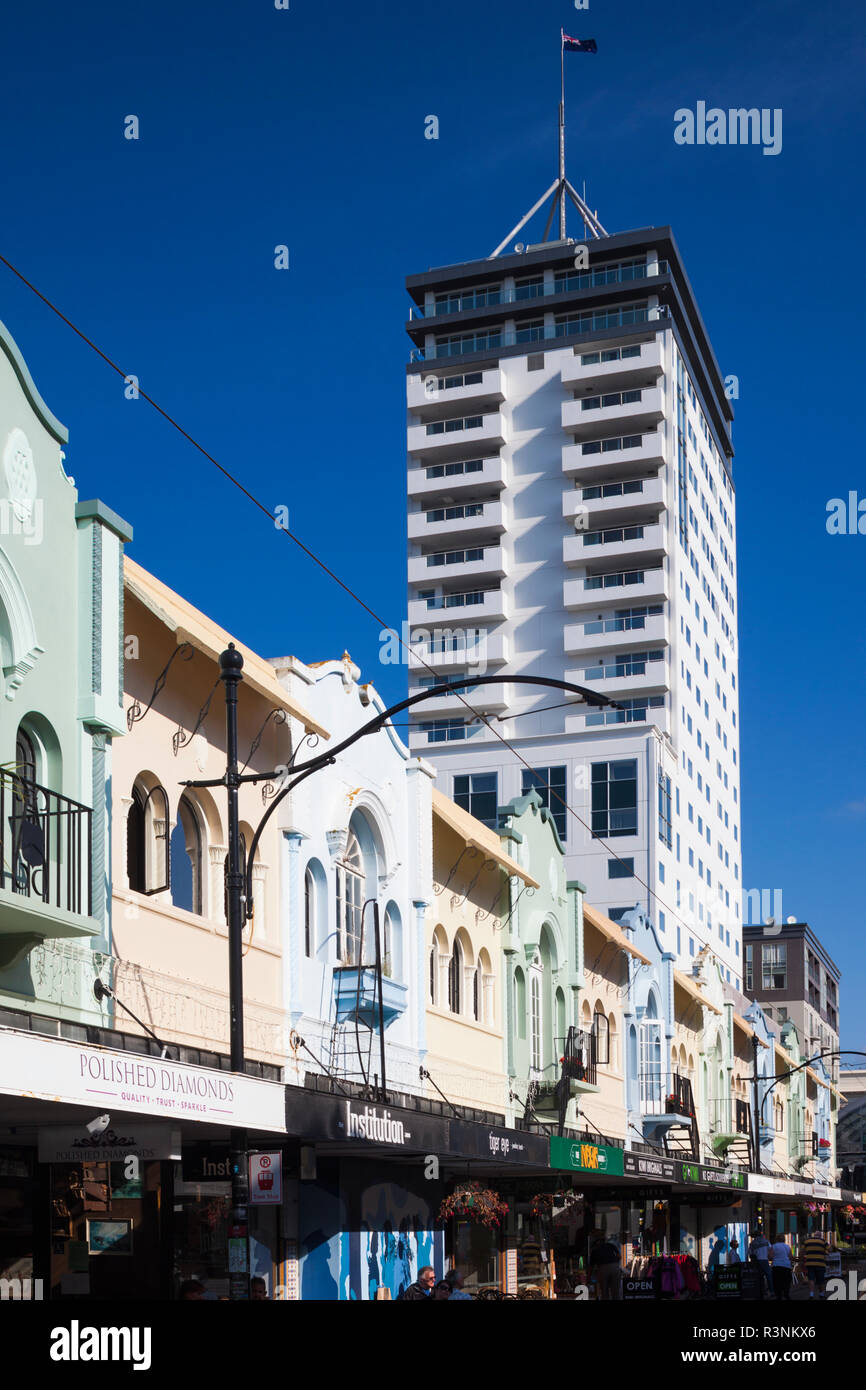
266,1179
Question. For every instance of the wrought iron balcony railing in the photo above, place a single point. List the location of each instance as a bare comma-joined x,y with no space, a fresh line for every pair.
45,845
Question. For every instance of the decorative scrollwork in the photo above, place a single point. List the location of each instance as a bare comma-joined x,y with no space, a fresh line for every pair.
185,651
529,891
279,716
180,738
272,787
467,849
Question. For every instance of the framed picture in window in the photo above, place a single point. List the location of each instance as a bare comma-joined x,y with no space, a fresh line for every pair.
109,1237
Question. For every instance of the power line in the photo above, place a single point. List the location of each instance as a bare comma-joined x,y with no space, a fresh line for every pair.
335,577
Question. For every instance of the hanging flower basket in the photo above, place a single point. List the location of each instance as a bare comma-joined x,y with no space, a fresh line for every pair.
815,1208
472,1202
824,1144
542,1203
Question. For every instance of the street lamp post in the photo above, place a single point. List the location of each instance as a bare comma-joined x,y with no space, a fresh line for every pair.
239,896
231,674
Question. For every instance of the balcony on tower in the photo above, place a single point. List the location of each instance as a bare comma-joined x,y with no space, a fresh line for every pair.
614,454
460,522
436,394
591,506
486,699
635,409
449,649
462,606
461,478
461,565
613,368
626,673
630,583
629,545
461,432
636,627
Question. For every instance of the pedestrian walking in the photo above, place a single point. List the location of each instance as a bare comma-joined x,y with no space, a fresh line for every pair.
813,1257
734,1254
759,1254
783,1268
606,1262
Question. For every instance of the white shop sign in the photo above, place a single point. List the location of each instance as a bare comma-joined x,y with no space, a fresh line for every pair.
779,1187
57,1069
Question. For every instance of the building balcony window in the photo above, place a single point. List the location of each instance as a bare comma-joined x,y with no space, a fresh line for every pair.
465,422
597,492
625,620
460,513
453,470
615,579
455,557
613,535
459,344
45,860
633,665
612,445
629,712
610,398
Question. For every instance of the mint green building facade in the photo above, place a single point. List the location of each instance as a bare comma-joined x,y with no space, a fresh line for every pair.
61,640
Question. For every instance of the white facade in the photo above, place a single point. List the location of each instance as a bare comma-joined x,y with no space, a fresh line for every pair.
530,372
354,833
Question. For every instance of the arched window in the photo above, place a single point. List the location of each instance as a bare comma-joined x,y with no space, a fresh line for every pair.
561,1029
147,839
351,883
535,1020
309,912
612,1040
455,979
520,1003
601,1029
478,994
186,859
434,973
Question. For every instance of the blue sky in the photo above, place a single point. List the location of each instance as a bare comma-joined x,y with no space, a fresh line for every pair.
305,127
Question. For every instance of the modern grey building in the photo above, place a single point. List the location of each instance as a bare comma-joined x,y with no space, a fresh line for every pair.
792,976
571,514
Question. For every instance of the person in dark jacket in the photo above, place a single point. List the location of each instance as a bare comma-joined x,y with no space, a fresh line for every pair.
422,1286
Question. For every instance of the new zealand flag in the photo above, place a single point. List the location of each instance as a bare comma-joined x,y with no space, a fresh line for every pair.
578,45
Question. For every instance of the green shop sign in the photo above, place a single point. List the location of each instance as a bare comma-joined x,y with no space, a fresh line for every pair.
586,1158
710,1177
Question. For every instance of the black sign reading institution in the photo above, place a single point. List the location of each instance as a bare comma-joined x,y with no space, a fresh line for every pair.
360,1122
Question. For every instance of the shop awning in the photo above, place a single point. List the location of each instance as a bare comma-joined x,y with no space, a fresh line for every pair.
612,932
748,1030
189,625
686,985
479,836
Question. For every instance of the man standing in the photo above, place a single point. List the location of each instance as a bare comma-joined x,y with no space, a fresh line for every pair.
422,1287
783,1268
759,1254
813,1254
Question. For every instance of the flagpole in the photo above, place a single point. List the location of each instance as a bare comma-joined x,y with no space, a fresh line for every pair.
562,135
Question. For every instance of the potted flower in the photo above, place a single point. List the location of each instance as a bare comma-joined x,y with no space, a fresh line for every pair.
672,1104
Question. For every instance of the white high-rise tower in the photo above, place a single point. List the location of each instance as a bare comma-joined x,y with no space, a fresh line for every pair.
571,514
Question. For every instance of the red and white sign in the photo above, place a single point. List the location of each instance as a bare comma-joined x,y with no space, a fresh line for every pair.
266,1179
